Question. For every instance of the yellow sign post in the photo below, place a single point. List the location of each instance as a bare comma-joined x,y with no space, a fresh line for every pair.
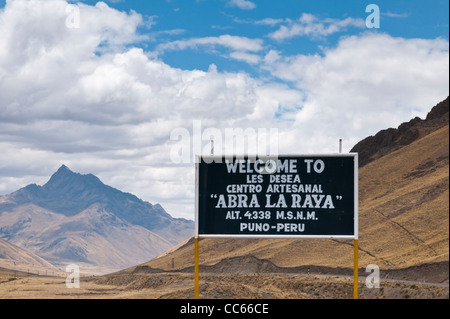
221,213
355,269
196,269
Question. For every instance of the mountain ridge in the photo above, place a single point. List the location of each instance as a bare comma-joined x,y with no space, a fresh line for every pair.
76,218
69,193
391,139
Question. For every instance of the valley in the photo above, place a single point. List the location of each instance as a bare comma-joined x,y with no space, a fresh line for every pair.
217,284
403,229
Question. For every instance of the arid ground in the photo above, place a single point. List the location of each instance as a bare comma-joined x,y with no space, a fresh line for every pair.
176,285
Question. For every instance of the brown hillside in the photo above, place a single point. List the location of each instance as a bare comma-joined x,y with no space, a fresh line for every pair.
18,259
403,220
389,140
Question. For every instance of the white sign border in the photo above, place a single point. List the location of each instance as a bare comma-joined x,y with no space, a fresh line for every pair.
355,235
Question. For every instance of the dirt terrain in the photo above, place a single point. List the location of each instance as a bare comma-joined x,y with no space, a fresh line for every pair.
240,278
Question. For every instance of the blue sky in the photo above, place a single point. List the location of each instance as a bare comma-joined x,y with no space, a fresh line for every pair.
110,87
173,20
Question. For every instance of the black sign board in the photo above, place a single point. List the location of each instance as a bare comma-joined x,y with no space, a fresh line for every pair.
284,196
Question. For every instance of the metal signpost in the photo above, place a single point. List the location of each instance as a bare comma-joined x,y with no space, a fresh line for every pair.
291,196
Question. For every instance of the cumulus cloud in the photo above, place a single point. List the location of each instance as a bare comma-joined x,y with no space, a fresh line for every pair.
366,83
311,26
90,98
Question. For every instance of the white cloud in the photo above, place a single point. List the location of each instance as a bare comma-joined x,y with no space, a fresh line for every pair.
246,57
82,97
265,22
89,99
242,48
270,21
236,43
367,83
242,4
310,25
395,15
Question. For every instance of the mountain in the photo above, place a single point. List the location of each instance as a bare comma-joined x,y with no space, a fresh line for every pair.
14,257
389,140
403,214
75,218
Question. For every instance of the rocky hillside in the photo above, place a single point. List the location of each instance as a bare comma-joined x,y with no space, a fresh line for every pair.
389,140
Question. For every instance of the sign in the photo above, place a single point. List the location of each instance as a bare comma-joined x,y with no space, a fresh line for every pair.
313,196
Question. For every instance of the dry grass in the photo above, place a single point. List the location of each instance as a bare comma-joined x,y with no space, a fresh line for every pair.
212,286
